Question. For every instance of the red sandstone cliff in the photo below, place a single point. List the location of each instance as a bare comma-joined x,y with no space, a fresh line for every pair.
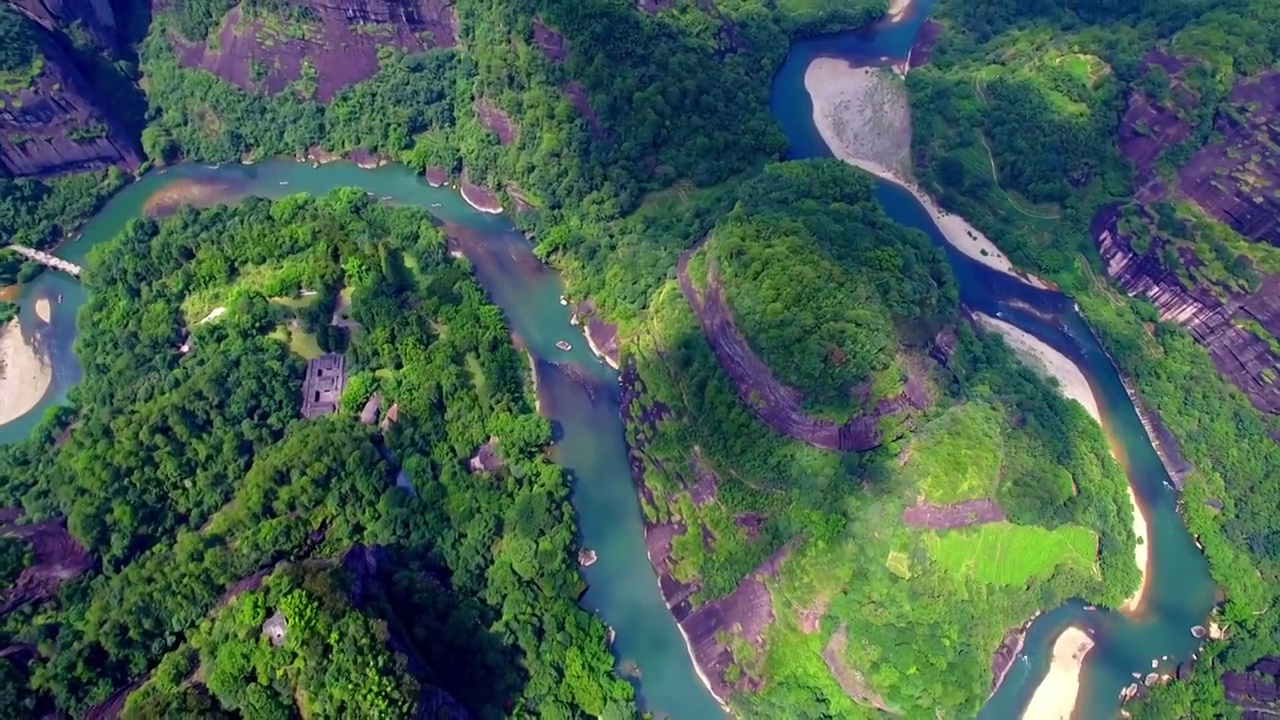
339,39
95,18
58,122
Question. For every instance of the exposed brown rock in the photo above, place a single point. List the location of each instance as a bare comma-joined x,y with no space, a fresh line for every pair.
601,336
495,120
1239,354
550,42
437,176
922,49
478,197
703,491
1148,128
850,680
1236,180
1258,690
340,42
653,7
1006,653
58,557
745,613
955,515
60,123
93,17
577,95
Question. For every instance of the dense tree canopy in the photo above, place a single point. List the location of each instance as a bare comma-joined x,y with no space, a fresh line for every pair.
188,471
1039,209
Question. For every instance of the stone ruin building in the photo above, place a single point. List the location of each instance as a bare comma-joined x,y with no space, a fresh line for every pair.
322,389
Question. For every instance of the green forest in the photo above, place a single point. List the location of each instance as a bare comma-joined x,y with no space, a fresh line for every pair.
188,472
825,290
854,552
1063,71
185,473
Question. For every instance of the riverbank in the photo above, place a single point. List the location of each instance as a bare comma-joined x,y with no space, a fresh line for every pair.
25,375
1070,377
1055,697
1075,385
863,115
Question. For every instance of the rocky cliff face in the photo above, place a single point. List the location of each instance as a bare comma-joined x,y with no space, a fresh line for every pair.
94,18
1256,691
1237,352
334,41
55,121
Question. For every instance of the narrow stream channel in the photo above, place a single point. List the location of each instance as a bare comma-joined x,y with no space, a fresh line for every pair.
580,395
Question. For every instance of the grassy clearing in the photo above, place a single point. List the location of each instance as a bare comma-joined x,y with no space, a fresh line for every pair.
302,344
899,564
276,280
957,456
296,303
478,379
1010,555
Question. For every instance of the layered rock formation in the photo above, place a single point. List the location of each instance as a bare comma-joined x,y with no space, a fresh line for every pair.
335,41
53,120
1257,691
1149,127
745,613
57,558
1235,181
95,18
1237,352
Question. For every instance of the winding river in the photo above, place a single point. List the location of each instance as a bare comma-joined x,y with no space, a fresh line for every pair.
583,405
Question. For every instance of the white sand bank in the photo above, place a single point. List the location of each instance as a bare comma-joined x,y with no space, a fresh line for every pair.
1053,363
1075,386
24,374
1055,696
1141,555
44,310
898,9
863,116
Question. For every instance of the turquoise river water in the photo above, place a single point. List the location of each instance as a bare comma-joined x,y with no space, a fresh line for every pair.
583,405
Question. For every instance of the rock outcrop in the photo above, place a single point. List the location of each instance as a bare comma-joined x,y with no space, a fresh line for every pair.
55,121
95,18
1216,324
58,558
334,41
1257,691
1236,180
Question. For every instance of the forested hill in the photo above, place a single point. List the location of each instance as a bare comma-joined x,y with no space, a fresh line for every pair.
867,557
814,583
589,103
188,474
1129,146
